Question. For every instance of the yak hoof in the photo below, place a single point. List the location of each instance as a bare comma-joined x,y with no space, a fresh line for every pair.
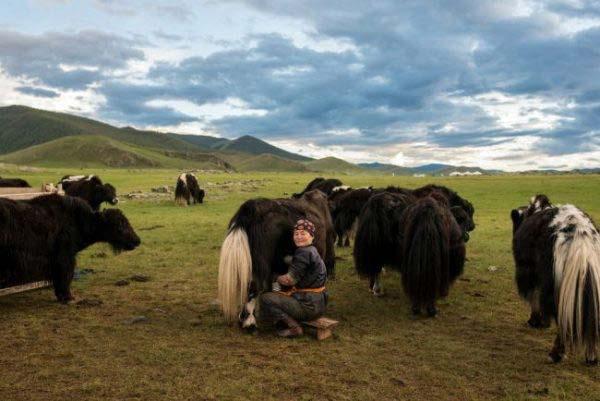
555,357
432,311
591,362
416,310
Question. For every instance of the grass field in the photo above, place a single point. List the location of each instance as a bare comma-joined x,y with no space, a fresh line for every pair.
478,348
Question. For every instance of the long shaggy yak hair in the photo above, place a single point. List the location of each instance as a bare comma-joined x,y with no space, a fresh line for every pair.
40,238
433,253
557,257
324,185
259,238
418,236
187,190
91,189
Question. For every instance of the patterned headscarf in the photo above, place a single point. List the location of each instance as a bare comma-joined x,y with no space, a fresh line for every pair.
306,225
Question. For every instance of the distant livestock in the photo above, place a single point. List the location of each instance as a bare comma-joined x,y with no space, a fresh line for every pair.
259,238
40,238
187,190
557,257
91,189
13,183
324,185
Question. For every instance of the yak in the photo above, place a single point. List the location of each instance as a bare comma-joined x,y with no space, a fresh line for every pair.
187,190
40,238
345,210
324,185
419,236
91,189
258,240
13,183
557,257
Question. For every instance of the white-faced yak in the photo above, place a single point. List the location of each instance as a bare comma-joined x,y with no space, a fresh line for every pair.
557,257
324,185
187,190
89,188
258,240
13,183
419,235
40,238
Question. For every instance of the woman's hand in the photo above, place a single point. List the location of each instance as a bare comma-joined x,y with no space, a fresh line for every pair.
286,280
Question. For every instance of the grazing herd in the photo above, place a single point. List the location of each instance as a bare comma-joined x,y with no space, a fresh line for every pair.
421,233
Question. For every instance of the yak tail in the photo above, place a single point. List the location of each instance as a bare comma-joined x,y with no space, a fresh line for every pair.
577,283
235,272
425,254
181,191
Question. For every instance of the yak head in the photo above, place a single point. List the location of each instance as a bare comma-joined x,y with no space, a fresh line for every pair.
464,221
110,194
517,216
200,195
115,229
537,203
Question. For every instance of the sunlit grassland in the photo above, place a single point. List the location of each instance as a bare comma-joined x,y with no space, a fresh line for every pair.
479,346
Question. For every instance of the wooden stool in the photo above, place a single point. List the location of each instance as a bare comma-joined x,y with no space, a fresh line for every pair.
323,327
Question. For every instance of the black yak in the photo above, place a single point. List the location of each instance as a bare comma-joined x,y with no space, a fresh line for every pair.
345,210
91,189
259,239
324,185
433,252
461,208
13,183
378,237
187,190
40,238
557,257
418,236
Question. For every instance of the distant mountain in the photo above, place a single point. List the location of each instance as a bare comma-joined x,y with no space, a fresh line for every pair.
203,141
268,162
334,165
255,146
430,168
102,151
22,127
387,168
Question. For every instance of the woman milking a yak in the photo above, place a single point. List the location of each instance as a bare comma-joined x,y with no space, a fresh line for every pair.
256,285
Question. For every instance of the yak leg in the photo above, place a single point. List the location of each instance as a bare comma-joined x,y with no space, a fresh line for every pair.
375,285
591,356
537,319
62,275
347,242
431,309
558,350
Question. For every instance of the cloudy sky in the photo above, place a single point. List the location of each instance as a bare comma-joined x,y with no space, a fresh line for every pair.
499,84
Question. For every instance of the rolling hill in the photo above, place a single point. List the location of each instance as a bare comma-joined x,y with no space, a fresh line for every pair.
102,151
334,165
22,127
266,162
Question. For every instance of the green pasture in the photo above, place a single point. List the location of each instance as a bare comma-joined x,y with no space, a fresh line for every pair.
478,348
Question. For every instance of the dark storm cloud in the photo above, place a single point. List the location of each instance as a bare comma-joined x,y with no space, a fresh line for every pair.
86,56
28,90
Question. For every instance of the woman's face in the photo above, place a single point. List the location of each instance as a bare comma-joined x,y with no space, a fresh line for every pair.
302,238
